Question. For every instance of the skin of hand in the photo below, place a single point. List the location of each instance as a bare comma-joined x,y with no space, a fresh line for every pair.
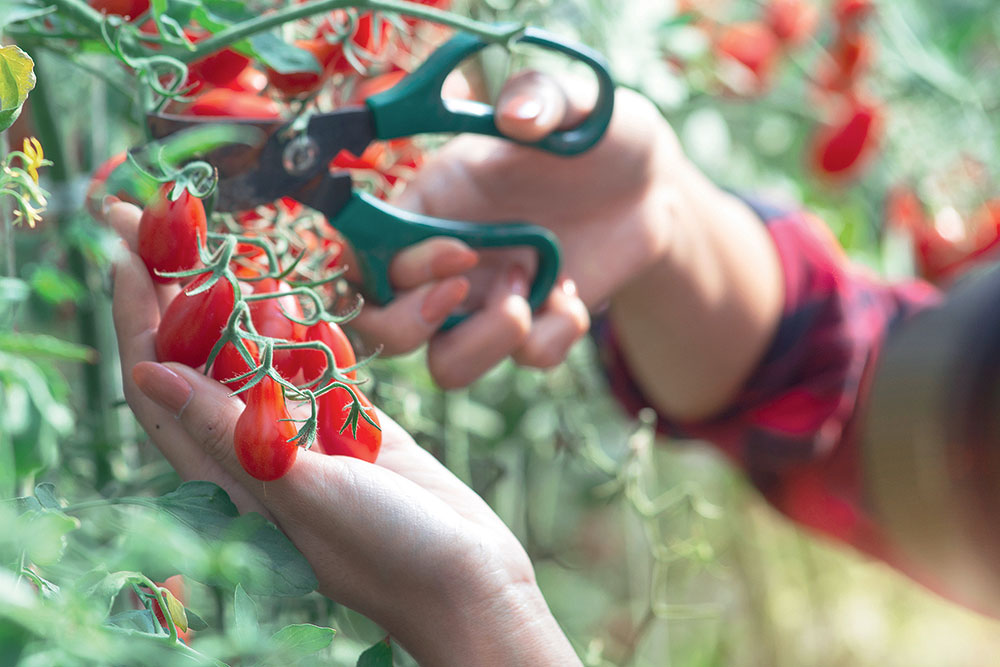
688,273
402,541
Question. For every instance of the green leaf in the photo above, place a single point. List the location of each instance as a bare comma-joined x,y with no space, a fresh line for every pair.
136,619
46,494
255,553
281,56
379,655
15,12
195,622
104,586
245,623
297,641
43,345
46,535
216,15
17,78
56,287
24,504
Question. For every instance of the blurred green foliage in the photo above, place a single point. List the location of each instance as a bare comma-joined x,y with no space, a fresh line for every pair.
649,553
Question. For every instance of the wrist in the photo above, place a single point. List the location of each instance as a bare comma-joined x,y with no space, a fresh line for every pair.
484,617
694,324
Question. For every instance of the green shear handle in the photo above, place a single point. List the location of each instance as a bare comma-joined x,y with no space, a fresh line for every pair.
415,105
383,230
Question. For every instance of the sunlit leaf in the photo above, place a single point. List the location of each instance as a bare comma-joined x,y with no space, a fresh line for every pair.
17,78
379,655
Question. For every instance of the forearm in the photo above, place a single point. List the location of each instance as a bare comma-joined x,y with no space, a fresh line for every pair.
693,326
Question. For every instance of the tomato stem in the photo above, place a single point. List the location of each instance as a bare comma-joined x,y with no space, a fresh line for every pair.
500,33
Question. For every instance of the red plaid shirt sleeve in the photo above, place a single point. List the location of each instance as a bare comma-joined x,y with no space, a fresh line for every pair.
791,428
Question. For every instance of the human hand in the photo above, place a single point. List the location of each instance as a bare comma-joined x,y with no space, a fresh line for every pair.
610,208
681,264
402,541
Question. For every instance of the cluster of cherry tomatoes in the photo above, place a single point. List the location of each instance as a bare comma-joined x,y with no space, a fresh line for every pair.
747,55
947,240
172,228
357,55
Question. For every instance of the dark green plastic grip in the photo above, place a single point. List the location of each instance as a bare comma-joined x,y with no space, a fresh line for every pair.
414,105
379,231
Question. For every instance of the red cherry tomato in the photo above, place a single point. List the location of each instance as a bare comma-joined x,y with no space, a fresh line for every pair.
849,58
223,102
848,13
840,149
377,84
334,408
229,363
218,69
260,437
313,362
269,320
192,325
752,45
250,80
364,37
170,232
128,8
297,84
792,21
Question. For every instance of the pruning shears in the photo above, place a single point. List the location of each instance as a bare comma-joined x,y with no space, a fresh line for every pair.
293,162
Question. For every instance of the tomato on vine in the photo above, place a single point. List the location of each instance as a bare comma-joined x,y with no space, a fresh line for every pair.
229,363
313,362
334,409
270,319
192,324
842,147
264,442
297,84
130,9
223,102
170,232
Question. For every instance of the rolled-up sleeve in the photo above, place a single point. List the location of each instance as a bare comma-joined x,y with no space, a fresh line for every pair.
791,427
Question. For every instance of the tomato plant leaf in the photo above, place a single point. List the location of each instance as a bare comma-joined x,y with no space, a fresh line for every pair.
245,623
46,494
135,619
301,639
379,655
195,622
43,345
17,78
281,56
257,555
103,587
271,552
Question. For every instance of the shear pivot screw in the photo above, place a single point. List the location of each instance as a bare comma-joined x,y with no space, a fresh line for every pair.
300,155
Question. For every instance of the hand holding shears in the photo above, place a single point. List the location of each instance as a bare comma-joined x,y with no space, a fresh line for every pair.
295,164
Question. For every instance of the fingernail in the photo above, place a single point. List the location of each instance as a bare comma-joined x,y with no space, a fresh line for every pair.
443,298
163,386
523,108
107,203
454,262
517,281
569,287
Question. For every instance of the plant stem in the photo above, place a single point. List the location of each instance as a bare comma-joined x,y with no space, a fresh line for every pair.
6,223
491,32
107,502
97,398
